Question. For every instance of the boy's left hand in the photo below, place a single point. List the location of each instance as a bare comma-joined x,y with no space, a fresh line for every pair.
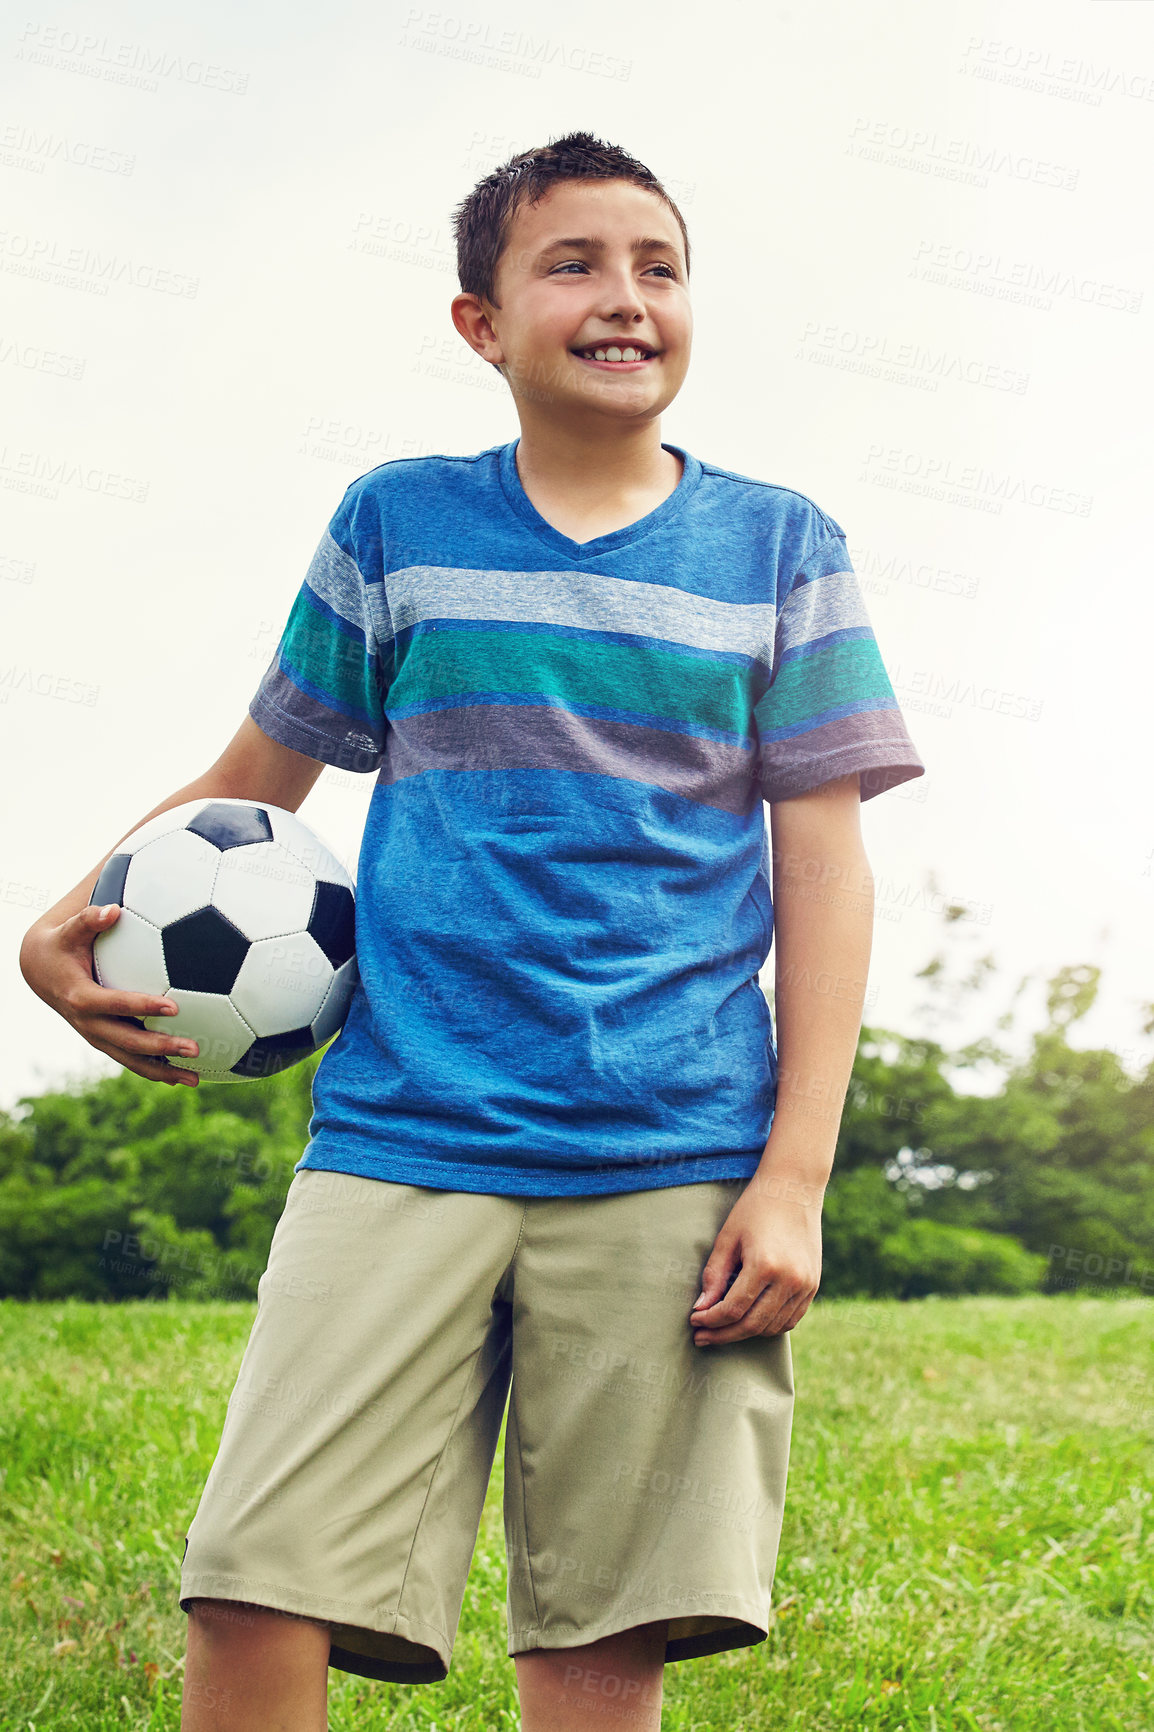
774,1245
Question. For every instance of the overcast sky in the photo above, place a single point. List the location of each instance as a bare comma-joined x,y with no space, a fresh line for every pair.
922,296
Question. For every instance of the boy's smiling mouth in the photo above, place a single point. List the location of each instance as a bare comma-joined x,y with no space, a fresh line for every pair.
617,356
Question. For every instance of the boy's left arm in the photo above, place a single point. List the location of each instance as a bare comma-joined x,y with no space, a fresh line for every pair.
823,897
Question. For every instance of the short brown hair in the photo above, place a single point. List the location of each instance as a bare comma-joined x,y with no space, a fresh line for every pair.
481,222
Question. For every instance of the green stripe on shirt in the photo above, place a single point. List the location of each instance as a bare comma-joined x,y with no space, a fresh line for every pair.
335,661
640,678
851,672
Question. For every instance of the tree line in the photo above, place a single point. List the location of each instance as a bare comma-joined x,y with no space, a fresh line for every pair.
124,1189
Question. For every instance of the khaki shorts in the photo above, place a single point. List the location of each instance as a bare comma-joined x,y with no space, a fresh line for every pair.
644,1476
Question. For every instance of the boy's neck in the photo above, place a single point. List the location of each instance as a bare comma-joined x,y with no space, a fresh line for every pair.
582,473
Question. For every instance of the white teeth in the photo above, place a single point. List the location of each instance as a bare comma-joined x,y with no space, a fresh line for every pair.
613,353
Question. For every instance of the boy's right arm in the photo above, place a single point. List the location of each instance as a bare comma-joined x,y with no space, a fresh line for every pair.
56,955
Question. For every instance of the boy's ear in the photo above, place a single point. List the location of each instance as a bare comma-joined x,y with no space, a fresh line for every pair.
467,310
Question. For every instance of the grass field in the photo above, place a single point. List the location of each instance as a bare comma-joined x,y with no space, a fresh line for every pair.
967,1543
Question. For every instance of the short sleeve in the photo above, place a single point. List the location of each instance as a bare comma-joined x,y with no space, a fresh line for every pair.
323,693
829,708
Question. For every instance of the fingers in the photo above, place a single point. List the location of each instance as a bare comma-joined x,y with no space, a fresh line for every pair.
776,1310
123,1039
89,922
96,914
82,993
159,1070
156,1069
727,1298
108,1018
718,1277
761,1300
89,998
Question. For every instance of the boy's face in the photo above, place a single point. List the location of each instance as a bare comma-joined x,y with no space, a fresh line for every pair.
572,277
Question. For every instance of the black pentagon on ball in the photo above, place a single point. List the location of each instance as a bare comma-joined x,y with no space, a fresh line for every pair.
231,826
203,952
333,921
275,1052
109,887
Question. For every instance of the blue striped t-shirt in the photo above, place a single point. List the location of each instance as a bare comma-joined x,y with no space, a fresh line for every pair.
564,885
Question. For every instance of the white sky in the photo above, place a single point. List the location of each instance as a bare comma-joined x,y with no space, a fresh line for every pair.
945,186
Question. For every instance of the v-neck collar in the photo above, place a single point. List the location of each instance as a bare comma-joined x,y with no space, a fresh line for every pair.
514,492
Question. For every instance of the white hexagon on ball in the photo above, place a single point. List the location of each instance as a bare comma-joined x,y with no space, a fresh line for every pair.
282,983
171,876
264,890
210,1019
129,957
293,834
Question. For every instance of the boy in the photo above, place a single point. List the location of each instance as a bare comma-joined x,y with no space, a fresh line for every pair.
578,662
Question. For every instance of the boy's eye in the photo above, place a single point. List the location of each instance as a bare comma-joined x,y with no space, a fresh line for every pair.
580,264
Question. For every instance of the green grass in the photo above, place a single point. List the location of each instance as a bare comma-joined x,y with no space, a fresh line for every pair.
967,1542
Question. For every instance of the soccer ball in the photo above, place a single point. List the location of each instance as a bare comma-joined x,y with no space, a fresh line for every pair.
241,916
